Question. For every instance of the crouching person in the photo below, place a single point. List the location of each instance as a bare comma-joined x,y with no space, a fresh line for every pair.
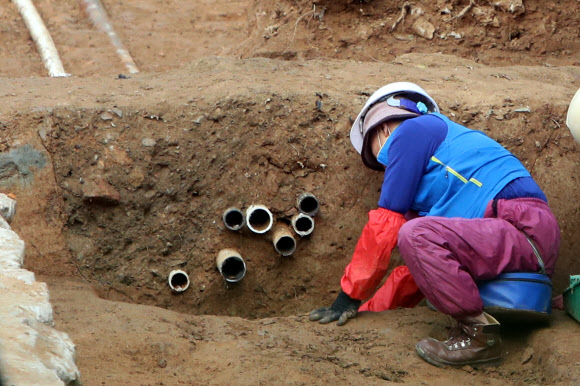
477,213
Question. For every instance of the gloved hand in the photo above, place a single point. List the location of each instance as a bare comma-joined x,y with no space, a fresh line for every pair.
343,309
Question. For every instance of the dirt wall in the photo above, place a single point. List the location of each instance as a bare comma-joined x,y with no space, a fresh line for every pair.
495,33
142,174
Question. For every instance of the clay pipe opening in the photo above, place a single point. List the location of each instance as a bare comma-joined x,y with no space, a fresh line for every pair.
259,218
303,224
283,240
231,265
178,281
234,219
308,204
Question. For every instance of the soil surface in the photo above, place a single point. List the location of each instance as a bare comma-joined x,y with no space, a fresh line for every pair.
122,178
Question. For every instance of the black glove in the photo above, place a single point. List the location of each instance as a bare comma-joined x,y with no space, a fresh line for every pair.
343,309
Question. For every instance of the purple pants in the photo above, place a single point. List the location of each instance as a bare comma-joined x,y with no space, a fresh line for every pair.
447,256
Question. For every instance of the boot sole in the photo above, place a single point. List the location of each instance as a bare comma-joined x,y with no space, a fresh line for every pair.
441,363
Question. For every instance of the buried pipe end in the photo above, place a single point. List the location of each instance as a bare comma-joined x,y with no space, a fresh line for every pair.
178,281
259,218
308,204
234,219
231,265
303,224
283,241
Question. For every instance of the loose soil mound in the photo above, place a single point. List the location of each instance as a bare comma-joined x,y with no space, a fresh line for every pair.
496,33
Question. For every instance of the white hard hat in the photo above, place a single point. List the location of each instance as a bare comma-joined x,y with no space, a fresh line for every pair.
408,89
573,117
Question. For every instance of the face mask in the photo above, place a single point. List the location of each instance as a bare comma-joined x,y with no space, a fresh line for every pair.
382,156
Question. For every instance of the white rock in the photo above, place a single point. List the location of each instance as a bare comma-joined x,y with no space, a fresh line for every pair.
7,207
33,352
148,142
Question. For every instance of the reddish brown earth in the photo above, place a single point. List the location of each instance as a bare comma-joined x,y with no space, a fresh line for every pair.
238,103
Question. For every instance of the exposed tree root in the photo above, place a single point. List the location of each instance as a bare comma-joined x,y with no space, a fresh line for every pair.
406,8
463,12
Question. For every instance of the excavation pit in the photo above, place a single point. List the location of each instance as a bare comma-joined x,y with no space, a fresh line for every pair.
138,169
141,191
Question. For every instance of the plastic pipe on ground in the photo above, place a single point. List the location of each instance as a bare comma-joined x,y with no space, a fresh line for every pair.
178,281
231,265
308,204
41,37
283,240
303,224
234,219
259,219
98,15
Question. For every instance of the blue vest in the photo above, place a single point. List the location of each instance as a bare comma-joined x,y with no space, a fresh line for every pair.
467,170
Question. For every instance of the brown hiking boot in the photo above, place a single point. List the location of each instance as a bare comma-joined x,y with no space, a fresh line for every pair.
471,343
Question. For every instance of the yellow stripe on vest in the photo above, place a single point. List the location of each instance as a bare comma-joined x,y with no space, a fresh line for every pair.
436,160
463,179
456,174
476,182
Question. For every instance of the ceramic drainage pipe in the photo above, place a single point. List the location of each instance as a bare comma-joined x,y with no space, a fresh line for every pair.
303,224
308,204
178,281
259,218
234,219
41,37
283,240
231,265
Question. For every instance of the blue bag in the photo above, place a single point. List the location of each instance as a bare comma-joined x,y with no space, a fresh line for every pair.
518,296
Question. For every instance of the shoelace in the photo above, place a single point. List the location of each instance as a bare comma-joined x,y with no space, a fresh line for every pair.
458,337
